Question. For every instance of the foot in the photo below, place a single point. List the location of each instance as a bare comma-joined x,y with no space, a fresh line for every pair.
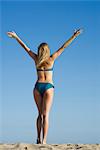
38,141
44,142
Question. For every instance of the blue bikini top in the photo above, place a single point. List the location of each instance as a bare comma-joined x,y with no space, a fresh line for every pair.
50,69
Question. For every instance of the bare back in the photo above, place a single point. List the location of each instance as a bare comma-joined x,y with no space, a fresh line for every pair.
45,76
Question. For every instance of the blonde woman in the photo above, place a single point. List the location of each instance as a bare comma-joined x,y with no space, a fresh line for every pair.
44,88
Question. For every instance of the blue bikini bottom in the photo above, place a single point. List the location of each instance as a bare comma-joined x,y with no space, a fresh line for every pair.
42,87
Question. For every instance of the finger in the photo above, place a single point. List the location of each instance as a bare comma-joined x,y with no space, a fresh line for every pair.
8,32
81,30
75,30
10,35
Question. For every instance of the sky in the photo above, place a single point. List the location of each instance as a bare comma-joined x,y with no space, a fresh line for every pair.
75,112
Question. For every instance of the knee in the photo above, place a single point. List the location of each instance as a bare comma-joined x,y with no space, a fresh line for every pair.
45,116
40,116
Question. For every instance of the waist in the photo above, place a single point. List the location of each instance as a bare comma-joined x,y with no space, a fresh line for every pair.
51,82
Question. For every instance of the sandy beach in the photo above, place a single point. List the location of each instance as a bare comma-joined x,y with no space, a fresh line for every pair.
24,146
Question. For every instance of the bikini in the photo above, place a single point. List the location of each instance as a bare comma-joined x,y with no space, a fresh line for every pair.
42,86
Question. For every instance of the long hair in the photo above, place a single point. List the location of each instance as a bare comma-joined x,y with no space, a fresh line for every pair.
43,53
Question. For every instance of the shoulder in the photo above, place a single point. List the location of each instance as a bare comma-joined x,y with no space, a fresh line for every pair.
33,55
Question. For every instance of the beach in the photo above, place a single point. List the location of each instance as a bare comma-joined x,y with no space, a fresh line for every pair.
24,146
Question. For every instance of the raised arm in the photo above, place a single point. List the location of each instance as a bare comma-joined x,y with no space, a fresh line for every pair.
14,35
61,49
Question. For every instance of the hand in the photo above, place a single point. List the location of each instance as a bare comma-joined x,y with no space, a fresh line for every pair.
77,32
12,34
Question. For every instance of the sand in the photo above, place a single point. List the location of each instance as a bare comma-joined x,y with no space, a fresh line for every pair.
24,146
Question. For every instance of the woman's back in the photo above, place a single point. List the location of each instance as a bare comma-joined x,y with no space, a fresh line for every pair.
45,71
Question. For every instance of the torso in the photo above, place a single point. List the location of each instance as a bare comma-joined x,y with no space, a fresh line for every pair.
45,76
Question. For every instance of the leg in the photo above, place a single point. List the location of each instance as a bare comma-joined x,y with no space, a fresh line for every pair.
38,101
47,102
39,128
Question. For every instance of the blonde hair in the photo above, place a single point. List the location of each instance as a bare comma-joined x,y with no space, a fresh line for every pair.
43,53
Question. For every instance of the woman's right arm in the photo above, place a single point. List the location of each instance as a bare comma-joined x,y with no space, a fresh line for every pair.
61,49
14,35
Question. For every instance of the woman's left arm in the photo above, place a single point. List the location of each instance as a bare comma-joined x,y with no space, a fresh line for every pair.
14,35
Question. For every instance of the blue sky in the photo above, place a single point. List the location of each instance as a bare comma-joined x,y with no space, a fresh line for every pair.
74,116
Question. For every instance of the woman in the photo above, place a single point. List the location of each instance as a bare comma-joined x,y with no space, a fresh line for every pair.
44,88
